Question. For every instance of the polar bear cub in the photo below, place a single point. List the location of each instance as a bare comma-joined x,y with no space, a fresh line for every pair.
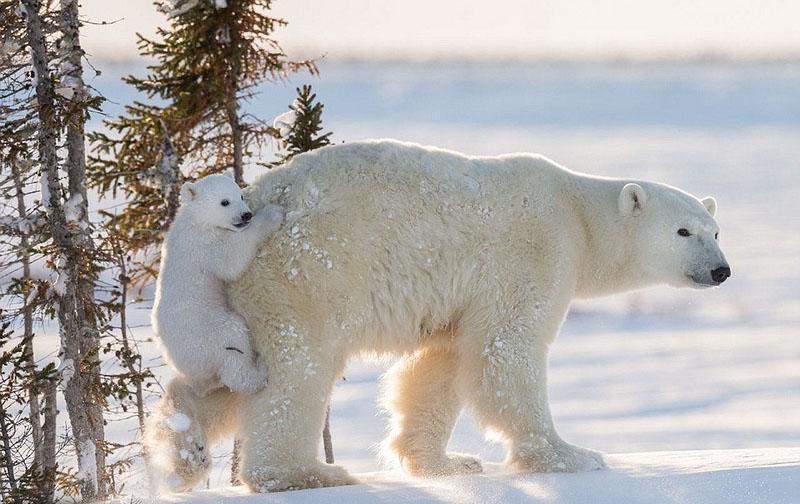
213,238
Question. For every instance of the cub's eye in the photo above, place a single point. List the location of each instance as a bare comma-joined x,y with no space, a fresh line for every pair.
684,232
224,202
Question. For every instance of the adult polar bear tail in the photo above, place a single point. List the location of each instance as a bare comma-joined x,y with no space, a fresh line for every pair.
463,266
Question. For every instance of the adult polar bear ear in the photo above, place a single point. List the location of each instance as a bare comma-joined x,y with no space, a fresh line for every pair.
188,191
632,199
711,204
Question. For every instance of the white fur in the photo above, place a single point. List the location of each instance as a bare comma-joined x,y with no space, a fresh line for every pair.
206,342
465,267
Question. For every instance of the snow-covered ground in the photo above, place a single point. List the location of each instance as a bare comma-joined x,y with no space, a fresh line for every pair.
765,476
659,370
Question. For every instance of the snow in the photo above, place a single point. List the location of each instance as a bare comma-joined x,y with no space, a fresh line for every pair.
59,287
768,476
87,467
44,188
66,370
285,122
69,86
175,8
72,208
179,422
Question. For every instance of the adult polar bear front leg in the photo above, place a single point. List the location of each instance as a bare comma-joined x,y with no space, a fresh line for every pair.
282,423
507,378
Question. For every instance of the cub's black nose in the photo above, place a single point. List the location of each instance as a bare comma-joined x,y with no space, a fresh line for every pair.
249,215
721,274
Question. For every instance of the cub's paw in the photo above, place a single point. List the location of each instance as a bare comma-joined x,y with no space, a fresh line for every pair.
451,465
558,457
316,475
244,375
269,218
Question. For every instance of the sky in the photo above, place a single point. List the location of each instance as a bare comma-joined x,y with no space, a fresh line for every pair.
481,29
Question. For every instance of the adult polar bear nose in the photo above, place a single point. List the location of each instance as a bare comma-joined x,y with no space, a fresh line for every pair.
720,274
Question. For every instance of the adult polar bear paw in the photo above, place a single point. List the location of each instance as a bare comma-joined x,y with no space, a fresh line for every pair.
317,475
451,465
558,457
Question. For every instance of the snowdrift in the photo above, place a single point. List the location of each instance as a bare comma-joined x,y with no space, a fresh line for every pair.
769,476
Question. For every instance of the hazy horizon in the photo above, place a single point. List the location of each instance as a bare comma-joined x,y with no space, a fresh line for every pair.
510,29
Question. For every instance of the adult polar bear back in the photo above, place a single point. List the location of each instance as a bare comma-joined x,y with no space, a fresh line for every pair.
464,266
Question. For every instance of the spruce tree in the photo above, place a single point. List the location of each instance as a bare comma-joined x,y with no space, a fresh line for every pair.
208,62
301,127
58,105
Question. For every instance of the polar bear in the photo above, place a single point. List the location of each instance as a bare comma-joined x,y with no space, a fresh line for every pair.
213,238
463,267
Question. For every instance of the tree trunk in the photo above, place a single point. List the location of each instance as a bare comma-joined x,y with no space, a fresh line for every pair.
129,363
232,105
8,461
327,443
71,75
236,462
77,325
49,443
27,324
170,176
236,134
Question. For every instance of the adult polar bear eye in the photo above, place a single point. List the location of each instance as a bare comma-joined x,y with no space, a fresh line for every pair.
224,202
684,232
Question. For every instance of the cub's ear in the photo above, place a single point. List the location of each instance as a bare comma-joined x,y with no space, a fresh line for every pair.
632,199
711,204
228,173
188,191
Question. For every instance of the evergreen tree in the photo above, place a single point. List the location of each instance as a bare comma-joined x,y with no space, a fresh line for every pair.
44,107
300,127
208,61
23,231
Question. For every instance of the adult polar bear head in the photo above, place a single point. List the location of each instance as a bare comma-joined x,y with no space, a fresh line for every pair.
677,237
463,266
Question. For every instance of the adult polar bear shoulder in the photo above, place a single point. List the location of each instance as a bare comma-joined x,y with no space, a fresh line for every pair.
465,267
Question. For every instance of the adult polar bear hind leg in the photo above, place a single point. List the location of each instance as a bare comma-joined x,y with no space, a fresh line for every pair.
465,267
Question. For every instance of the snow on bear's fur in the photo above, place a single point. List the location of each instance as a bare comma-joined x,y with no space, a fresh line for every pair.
464,267
213,238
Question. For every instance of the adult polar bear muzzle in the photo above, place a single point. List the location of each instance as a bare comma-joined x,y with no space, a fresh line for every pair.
679,242
712,272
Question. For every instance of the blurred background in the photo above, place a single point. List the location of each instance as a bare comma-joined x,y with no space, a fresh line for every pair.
701,95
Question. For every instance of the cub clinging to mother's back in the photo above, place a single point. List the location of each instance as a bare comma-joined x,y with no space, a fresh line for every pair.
213,238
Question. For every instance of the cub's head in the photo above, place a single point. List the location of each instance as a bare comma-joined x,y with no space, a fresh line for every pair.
676,236
216,201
